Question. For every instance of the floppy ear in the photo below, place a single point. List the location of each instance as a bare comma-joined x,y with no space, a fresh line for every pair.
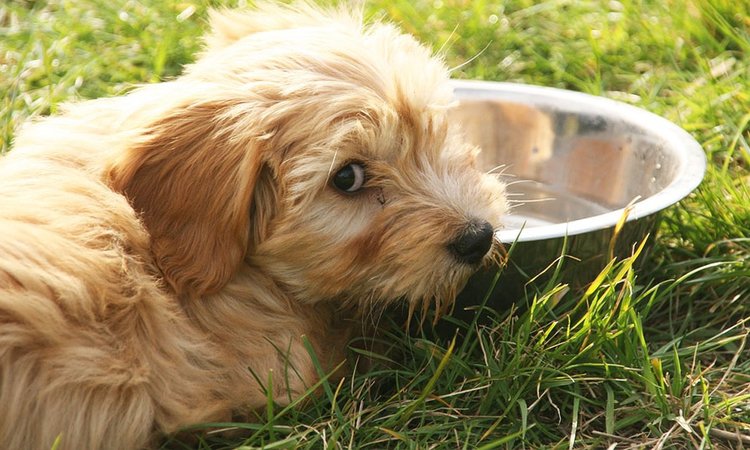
192,179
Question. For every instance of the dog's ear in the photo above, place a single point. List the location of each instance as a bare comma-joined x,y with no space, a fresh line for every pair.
230,25
192,180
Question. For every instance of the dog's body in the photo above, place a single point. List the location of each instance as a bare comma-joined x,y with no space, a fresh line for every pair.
163,252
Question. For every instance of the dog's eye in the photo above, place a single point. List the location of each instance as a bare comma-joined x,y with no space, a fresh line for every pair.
350,178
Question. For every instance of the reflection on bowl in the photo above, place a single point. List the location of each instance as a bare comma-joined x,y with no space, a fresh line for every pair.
573,163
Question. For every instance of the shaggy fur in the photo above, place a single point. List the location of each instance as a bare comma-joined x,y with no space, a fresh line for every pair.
162,251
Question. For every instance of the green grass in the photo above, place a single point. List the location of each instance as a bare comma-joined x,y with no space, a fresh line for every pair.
653,354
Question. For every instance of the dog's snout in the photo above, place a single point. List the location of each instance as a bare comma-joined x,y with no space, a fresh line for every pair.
473,243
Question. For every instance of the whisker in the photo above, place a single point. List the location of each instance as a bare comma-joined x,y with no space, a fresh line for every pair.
447,41
470,60
500,167
519,181
515,205
534,200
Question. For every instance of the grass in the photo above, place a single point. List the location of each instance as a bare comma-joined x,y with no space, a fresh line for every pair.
652,354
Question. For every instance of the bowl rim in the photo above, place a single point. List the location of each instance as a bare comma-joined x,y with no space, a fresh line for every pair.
688,174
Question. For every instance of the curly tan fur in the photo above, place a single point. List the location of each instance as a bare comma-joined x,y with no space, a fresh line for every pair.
162,251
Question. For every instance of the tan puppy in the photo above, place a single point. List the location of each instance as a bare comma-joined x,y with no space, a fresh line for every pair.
162,251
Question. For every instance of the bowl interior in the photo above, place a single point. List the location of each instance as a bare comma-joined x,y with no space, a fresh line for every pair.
573,162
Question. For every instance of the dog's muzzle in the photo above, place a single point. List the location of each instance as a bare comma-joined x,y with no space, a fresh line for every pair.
473,243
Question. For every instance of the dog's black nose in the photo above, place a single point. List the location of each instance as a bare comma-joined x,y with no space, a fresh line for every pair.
473,243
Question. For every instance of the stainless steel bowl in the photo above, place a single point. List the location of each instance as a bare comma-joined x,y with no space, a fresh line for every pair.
574,163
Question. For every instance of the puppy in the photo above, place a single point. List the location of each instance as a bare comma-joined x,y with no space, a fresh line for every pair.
169,256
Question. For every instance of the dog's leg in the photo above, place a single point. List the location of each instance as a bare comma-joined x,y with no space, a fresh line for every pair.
114,378
91,388
56,386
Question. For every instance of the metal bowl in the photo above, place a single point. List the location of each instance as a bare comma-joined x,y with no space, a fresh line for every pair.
575,164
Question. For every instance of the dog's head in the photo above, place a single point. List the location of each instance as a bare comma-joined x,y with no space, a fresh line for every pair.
318,151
